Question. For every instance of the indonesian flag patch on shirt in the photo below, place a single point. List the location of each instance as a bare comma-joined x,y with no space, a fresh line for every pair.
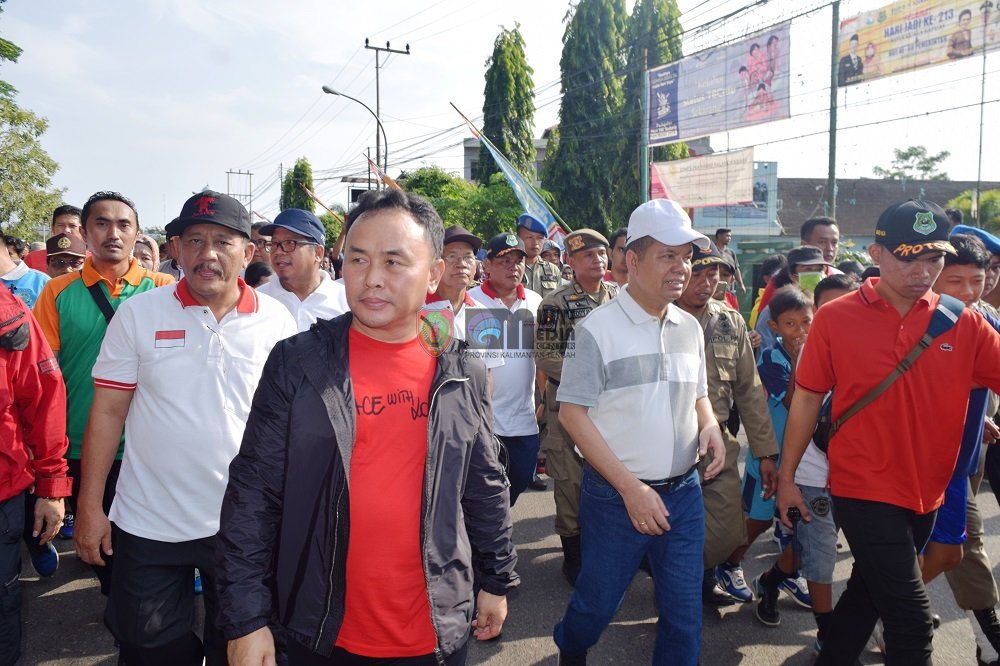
166,339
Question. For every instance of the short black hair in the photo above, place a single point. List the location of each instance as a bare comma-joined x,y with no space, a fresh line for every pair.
851,267
832,282
65,209
970,252
809,225
963,13
257,226
106,195
640,246
256,272
773,264
615,235
13,241
955,215
854,38
418,207
722,230
870,272
787,299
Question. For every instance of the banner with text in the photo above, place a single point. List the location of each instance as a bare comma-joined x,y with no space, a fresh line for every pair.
910,34
711,180
735,85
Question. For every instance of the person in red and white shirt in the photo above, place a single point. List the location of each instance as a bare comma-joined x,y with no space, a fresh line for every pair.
514,382
177,368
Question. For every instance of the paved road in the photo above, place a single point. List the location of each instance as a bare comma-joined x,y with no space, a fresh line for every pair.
63,613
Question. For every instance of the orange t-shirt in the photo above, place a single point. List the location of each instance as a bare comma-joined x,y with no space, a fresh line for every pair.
387,612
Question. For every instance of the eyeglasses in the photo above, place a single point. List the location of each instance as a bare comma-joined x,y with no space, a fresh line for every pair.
467,259
75,264
286,246
260,242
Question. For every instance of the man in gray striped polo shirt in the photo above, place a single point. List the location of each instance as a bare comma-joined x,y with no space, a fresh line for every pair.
634,399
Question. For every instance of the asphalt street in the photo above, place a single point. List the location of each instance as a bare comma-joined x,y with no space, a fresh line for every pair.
63,613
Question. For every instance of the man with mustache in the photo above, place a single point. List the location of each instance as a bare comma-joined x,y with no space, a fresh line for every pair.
296,248
74,310
177,369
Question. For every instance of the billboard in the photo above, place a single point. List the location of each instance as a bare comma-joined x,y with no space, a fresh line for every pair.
910,34
711,180
735,85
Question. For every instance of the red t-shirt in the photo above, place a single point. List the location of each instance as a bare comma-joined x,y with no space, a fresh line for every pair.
387,611
901,449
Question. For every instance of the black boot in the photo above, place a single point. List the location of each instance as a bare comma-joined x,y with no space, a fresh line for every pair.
988,622
571,558
711,593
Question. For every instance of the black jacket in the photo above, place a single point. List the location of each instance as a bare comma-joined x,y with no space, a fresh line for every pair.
285,515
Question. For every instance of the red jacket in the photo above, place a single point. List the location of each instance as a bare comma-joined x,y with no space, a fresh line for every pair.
32,407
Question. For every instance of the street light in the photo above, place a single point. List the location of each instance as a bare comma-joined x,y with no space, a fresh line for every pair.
385,156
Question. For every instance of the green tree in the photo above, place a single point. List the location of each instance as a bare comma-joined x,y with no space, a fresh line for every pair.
914,163
9,52
508,106
446,191
292,194
989,209
591,133
331,224
653,38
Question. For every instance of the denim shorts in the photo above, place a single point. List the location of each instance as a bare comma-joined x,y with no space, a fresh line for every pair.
816,540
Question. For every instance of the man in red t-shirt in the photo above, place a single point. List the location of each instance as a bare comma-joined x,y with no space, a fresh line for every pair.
367,492
891,462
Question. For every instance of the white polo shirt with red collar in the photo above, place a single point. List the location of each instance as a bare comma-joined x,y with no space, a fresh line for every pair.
327,301
514,381
192,379
459,327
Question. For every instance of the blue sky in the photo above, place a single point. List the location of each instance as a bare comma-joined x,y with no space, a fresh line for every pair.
159,98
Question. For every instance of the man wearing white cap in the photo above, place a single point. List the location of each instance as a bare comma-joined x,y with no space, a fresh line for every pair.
641,417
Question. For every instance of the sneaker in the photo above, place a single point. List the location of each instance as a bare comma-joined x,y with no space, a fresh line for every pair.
798,590
197,582
47,561
566,659
711,593
767,607
878,638
66,531
730,577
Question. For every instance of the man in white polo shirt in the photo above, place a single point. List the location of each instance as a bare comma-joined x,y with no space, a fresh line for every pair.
634,399
296,249
514,307
178,368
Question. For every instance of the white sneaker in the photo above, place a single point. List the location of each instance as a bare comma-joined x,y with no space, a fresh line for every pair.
878,638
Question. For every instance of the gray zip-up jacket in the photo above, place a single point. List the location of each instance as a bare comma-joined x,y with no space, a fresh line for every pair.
284,528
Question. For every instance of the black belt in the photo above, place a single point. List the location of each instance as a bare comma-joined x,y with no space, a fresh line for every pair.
670,484
555,382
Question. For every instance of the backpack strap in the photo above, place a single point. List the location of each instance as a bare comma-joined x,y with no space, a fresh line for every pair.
103,304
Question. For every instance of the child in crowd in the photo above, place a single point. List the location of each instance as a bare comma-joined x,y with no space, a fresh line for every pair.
791,314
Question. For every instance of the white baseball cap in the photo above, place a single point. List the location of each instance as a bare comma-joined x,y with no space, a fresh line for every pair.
664,220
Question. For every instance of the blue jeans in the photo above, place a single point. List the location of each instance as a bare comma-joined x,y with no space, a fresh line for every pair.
612,551
522,456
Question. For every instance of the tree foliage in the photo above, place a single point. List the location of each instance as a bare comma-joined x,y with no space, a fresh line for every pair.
989,209
292,194
9,52
508,106
653,38
581,173
914,163
485,209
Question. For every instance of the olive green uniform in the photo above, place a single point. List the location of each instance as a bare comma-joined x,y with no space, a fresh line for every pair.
558,313
732,377
542,277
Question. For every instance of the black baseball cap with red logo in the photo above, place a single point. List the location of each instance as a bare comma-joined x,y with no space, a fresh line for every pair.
208,207
912,228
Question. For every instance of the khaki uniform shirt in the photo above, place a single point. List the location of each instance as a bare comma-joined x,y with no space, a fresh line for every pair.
558,313
732,377
544,277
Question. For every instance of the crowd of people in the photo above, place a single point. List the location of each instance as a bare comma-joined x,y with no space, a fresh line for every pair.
360,419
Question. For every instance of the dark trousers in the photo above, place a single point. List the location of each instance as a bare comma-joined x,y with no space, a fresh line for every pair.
885,583
300,655
151,607
992,469
522,456
103,573
11,528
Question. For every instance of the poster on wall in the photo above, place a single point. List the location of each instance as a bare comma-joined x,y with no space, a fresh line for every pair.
911,34
735,85
710,180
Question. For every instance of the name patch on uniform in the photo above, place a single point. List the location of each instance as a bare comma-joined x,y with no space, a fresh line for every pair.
165,339
47,365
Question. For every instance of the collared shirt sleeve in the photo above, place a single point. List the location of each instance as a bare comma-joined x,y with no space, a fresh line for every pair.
48,316
775,372
814,371
986,369
117,365
584,372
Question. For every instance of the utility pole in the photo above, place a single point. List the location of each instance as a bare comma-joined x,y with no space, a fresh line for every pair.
831,182
644,132
378,112
244,198
986,7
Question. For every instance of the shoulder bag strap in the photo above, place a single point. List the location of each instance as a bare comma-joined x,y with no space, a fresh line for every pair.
945,316
103,304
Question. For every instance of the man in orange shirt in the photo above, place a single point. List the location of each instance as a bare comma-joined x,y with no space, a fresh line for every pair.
891,462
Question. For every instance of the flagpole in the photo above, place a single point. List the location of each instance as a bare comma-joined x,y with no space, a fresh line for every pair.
483,137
